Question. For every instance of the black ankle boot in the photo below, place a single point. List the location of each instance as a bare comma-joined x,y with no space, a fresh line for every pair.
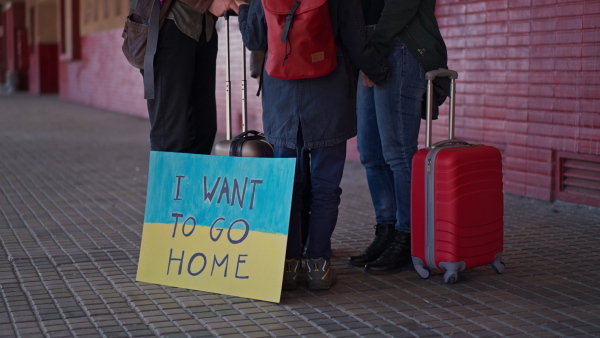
384,235
396,258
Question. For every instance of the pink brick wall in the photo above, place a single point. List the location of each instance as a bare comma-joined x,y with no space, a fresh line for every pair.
102,77
528,84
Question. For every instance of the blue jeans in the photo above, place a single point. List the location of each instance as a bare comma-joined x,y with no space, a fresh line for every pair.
326,165
389,118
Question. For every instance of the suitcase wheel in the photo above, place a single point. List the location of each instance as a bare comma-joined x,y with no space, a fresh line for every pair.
450,277
498,266
423,271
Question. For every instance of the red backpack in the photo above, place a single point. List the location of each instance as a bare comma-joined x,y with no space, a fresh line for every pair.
300,40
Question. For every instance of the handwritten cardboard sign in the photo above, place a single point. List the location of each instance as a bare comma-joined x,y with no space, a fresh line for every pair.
217,224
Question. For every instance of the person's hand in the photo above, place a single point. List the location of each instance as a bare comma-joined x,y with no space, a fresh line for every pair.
218,7
366,81
235,5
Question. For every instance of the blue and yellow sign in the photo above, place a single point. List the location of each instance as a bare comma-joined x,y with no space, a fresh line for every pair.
217,223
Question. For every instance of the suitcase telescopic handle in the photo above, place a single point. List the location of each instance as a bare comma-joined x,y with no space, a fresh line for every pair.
430,76
228,119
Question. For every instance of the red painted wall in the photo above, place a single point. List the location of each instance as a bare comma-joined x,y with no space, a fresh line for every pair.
43,69
3,47
529,82
16,52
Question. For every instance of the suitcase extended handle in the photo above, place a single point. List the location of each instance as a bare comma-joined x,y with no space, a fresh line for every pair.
442,72
228,122
430,76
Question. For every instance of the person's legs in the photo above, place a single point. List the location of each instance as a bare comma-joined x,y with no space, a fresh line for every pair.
379,176
306,198
294,238
173,76
295,244
327,168
398,105
203,107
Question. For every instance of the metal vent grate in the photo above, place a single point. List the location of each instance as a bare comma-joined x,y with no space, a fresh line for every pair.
578,179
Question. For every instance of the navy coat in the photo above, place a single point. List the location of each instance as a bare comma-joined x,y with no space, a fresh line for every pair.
324,106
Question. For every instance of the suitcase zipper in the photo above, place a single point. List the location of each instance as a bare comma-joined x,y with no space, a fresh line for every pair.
430,203
430,211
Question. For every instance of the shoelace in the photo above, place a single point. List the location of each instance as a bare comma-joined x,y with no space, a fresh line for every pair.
316,267
289,267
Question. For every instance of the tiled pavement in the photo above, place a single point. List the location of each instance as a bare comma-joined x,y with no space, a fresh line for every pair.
72,198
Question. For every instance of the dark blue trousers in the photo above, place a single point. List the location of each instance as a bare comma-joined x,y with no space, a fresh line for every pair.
326,165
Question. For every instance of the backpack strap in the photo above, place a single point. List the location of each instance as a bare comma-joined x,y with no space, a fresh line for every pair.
151,47
262,69
289,19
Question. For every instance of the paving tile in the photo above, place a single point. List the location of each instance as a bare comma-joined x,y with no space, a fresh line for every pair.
142,333
283,333
258,334
342,334
307,330
226,331
176,335
266,321
485,333
355,325
167,330
248,328
60,334
449,330
367,332
26,331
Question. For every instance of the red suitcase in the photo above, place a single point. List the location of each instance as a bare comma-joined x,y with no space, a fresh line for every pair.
457,206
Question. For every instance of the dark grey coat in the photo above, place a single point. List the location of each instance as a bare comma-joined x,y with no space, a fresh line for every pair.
324,106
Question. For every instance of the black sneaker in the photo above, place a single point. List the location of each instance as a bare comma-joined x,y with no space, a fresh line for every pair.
290,274
319,274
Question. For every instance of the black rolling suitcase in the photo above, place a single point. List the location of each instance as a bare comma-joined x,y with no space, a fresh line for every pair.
250,143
